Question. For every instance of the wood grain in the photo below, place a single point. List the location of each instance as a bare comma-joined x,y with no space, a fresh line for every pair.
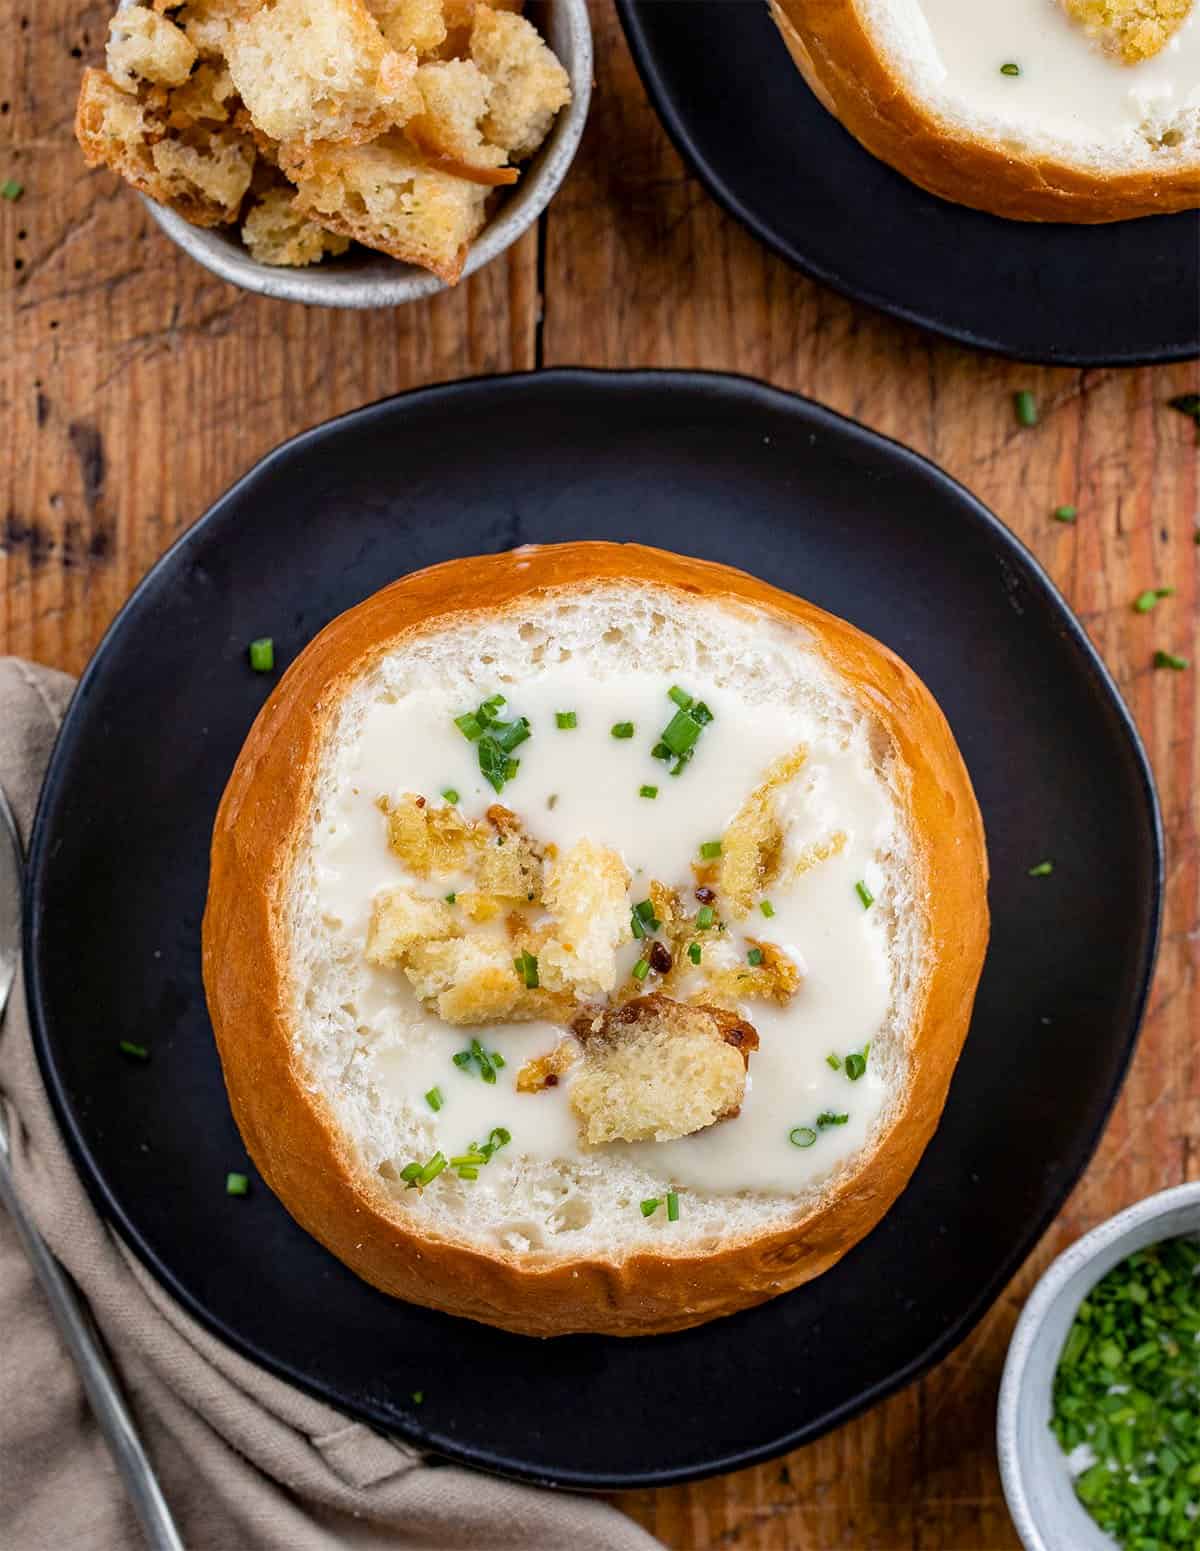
135,388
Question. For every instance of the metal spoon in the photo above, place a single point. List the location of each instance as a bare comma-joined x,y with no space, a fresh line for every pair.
70,1312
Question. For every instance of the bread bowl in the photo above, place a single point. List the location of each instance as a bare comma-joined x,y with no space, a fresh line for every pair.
1037,110
357,1000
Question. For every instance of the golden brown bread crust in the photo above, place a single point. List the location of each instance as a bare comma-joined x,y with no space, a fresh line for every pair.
838,58
262,823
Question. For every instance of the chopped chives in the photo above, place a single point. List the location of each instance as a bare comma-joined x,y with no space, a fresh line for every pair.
647,791
10,189
451,898
1026,407
864,894
705,917
672,1206
1170,660
462,1058
467,1171
641,969
1041,870
1010,69
710,850
449,793
565,720
1145,601
432,1169
695,953
262,654
434,1099
418,1395
680,696
138,1052
497,1059
494,739
622,729
635,926
1065,513
411,1173
856,1065
467,1160
834,1061
650,1206
755,957
802,1136
827,1118
678,738
645,912
237,1184
767,908
526,966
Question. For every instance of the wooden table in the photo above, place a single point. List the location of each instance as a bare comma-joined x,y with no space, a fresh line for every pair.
136,387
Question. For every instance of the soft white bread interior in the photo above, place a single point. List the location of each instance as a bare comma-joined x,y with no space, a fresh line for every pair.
329,1063
1040,110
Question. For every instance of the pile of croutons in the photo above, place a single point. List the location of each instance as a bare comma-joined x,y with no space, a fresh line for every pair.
311,123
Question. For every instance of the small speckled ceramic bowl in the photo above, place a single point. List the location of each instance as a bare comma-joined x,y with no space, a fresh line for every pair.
1041,1499
364,279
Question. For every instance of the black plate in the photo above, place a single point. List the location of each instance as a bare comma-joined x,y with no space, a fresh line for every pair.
739,112
714,466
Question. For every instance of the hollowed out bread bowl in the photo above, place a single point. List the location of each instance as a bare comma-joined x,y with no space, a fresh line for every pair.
719,912
1038,110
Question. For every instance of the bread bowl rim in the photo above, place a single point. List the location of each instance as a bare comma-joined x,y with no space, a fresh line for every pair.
295,1145
837,57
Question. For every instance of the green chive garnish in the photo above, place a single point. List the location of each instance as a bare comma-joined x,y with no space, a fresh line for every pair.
565,720
645,912
755,957
635,926
650,1206
432,1169
827,1118
1026,407
705,917
802,1136
695,953
856,1065
10,189
466,1170
672,1206
494,739
767,908
641,969
434,1099
1010,69
526,966
622,729
710,850
679,736
237,1184
834,1061
647,791
1042,870
680,696
262,654
449,793
1170,660
418,1396
411,1173
497,1059
138,1052
1065,513
451,898
1145,601
864,894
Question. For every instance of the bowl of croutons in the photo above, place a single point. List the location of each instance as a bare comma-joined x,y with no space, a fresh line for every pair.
343,153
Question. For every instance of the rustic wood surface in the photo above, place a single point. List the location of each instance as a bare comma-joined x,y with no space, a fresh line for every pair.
135,388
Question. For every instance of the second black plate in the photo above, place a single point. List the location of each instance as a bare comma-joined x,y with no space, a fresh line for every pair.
738,110
718,467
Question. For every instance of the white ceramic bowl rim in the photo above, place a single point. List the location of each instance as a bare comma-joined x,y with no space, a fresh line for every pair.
375,280
1037,1342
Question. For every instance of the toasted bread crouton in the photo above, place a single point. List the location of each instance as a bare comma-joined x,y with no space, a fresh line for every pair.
275,233
206,97
510,866
387,196
317,70
586,891
529,85
1133,29
207,22
472,980
730,981
819,851
205,183
459,16
544,1071
401,920
415,24
144,46
455,95
428,839
751,846
656,1069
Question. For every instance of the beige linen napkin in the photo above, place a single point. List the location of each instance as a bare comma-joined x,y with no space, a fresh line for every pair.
245,1461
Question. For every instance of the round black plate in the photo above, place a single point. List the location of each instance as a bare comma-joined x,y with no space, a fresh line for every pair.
737,109
714,466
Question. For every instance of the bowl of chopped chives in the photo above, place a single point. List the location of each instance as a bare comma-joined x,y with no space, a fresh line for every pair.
1099,1416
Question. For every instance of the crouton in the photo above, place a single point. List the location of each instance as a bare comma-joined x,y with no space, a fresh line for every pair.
459,16
656,1069
144,46
415,24
319,70
751,846
586,891
455,95
275,234
1132,29
529,85
729,980
401,920
544,1071
424,838
205,183
472,980
207,22
387,196
206,97
819,851
511,866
